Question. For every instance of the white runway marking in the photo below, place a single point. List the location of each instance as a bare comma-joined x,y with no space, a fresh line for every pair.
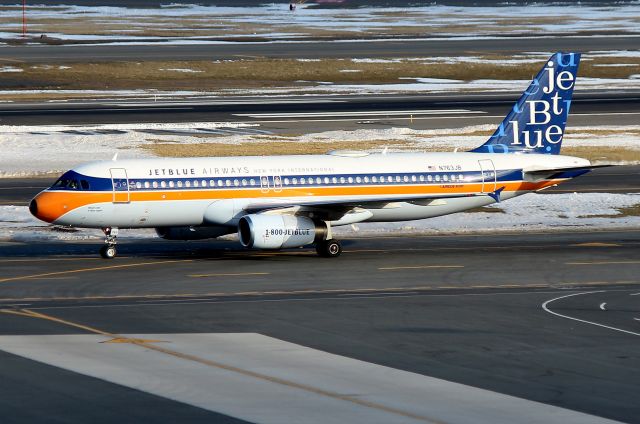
266,380
357,113
602,306
545,307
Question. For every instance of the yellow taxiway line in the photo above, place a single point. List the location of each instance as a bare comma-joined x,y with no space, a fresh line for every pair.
81,270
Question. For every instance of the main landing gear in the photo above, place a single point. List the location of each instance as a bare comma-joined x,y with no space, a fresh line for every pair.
108,251
329,248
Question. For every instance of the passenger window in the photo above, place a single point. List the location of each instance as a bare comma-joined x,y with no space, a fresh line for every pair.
244,182
358,180
180,184
334,180
374,179
220,183
163,184
227,183
342,180
405,179
212,183
430,177
413,178
438,178
195,183
187,183
171,184
146,184
421,178
155,184
350,180
236,183
138,185
445,178
366,179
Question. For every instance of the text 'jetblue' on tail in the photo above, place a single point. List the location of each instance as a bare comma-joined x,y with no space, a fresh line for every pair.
537,121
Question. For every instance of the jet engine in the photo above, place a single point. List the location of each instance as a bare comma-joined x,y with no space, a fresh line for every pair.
192,233
279,231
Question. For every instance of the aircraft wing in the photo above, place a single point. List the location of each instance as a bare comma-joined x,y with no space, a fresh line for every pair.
334,209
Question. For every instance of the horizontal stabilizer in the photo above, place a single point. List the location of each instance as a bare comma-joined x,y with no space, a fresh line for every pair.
547,171
538,174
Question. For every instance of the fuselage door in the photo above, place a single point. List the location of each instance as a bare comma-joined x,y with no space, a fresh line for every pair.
488,171
120,184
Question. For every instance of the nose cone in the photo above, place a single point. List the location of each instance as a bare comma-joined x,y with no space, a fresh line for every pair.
48,206
33,207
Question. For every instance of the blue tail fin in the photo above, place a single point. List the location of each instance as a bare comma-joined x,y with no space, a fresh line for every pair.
536,122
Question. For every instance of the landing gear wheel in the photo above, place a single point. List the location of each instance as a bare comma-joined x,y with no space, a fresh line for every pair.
329,248
108,252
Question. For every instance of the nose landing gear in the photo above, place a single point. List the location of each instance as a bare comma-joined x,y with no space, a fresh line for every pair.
108,251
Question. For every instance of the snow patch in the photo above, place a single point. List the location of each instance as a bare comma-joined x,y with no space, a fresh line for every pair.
184,70
10,69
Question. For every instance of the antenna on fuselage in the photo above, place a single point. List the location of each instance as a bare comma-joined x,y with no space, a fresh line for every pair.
384,152
115,157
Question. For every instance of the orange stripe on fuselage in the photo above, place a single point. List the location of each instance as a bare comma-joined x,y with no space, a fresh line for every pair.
53,204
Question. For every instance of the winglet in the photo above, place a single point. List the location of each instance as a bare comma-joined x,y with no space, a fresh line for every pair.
496,194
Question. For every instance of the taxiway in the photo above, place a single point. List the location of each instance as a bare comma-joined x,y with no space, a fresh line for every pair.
548,317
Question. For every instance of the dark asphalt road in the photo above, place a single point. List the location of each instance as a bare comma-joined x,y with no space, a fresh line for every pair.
315,49
467,309
588,108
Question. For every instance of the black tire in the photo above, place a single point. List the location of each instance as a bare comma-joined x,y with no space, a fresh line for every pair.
108,252
329,248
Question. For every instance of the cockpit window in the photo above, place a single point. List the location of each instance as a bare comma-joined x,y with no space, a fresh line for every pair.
84,184
68,183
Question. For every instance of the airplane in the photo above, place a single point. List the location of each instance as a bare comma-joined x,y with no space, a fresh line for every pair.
278,202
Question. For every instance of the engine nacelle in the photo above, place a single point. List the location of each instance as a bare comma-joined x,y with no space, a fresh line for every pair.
192,233
279,231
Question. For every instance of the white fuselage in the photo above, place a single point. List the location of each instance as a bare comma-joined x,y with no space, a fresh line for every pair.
218,191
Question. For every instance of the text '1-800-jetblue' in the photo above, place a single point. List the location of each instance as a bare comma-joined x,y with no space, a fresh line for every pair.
280,202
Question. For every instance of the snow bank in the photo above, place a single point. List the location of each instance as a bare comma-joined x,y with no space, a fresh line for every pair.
34,150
